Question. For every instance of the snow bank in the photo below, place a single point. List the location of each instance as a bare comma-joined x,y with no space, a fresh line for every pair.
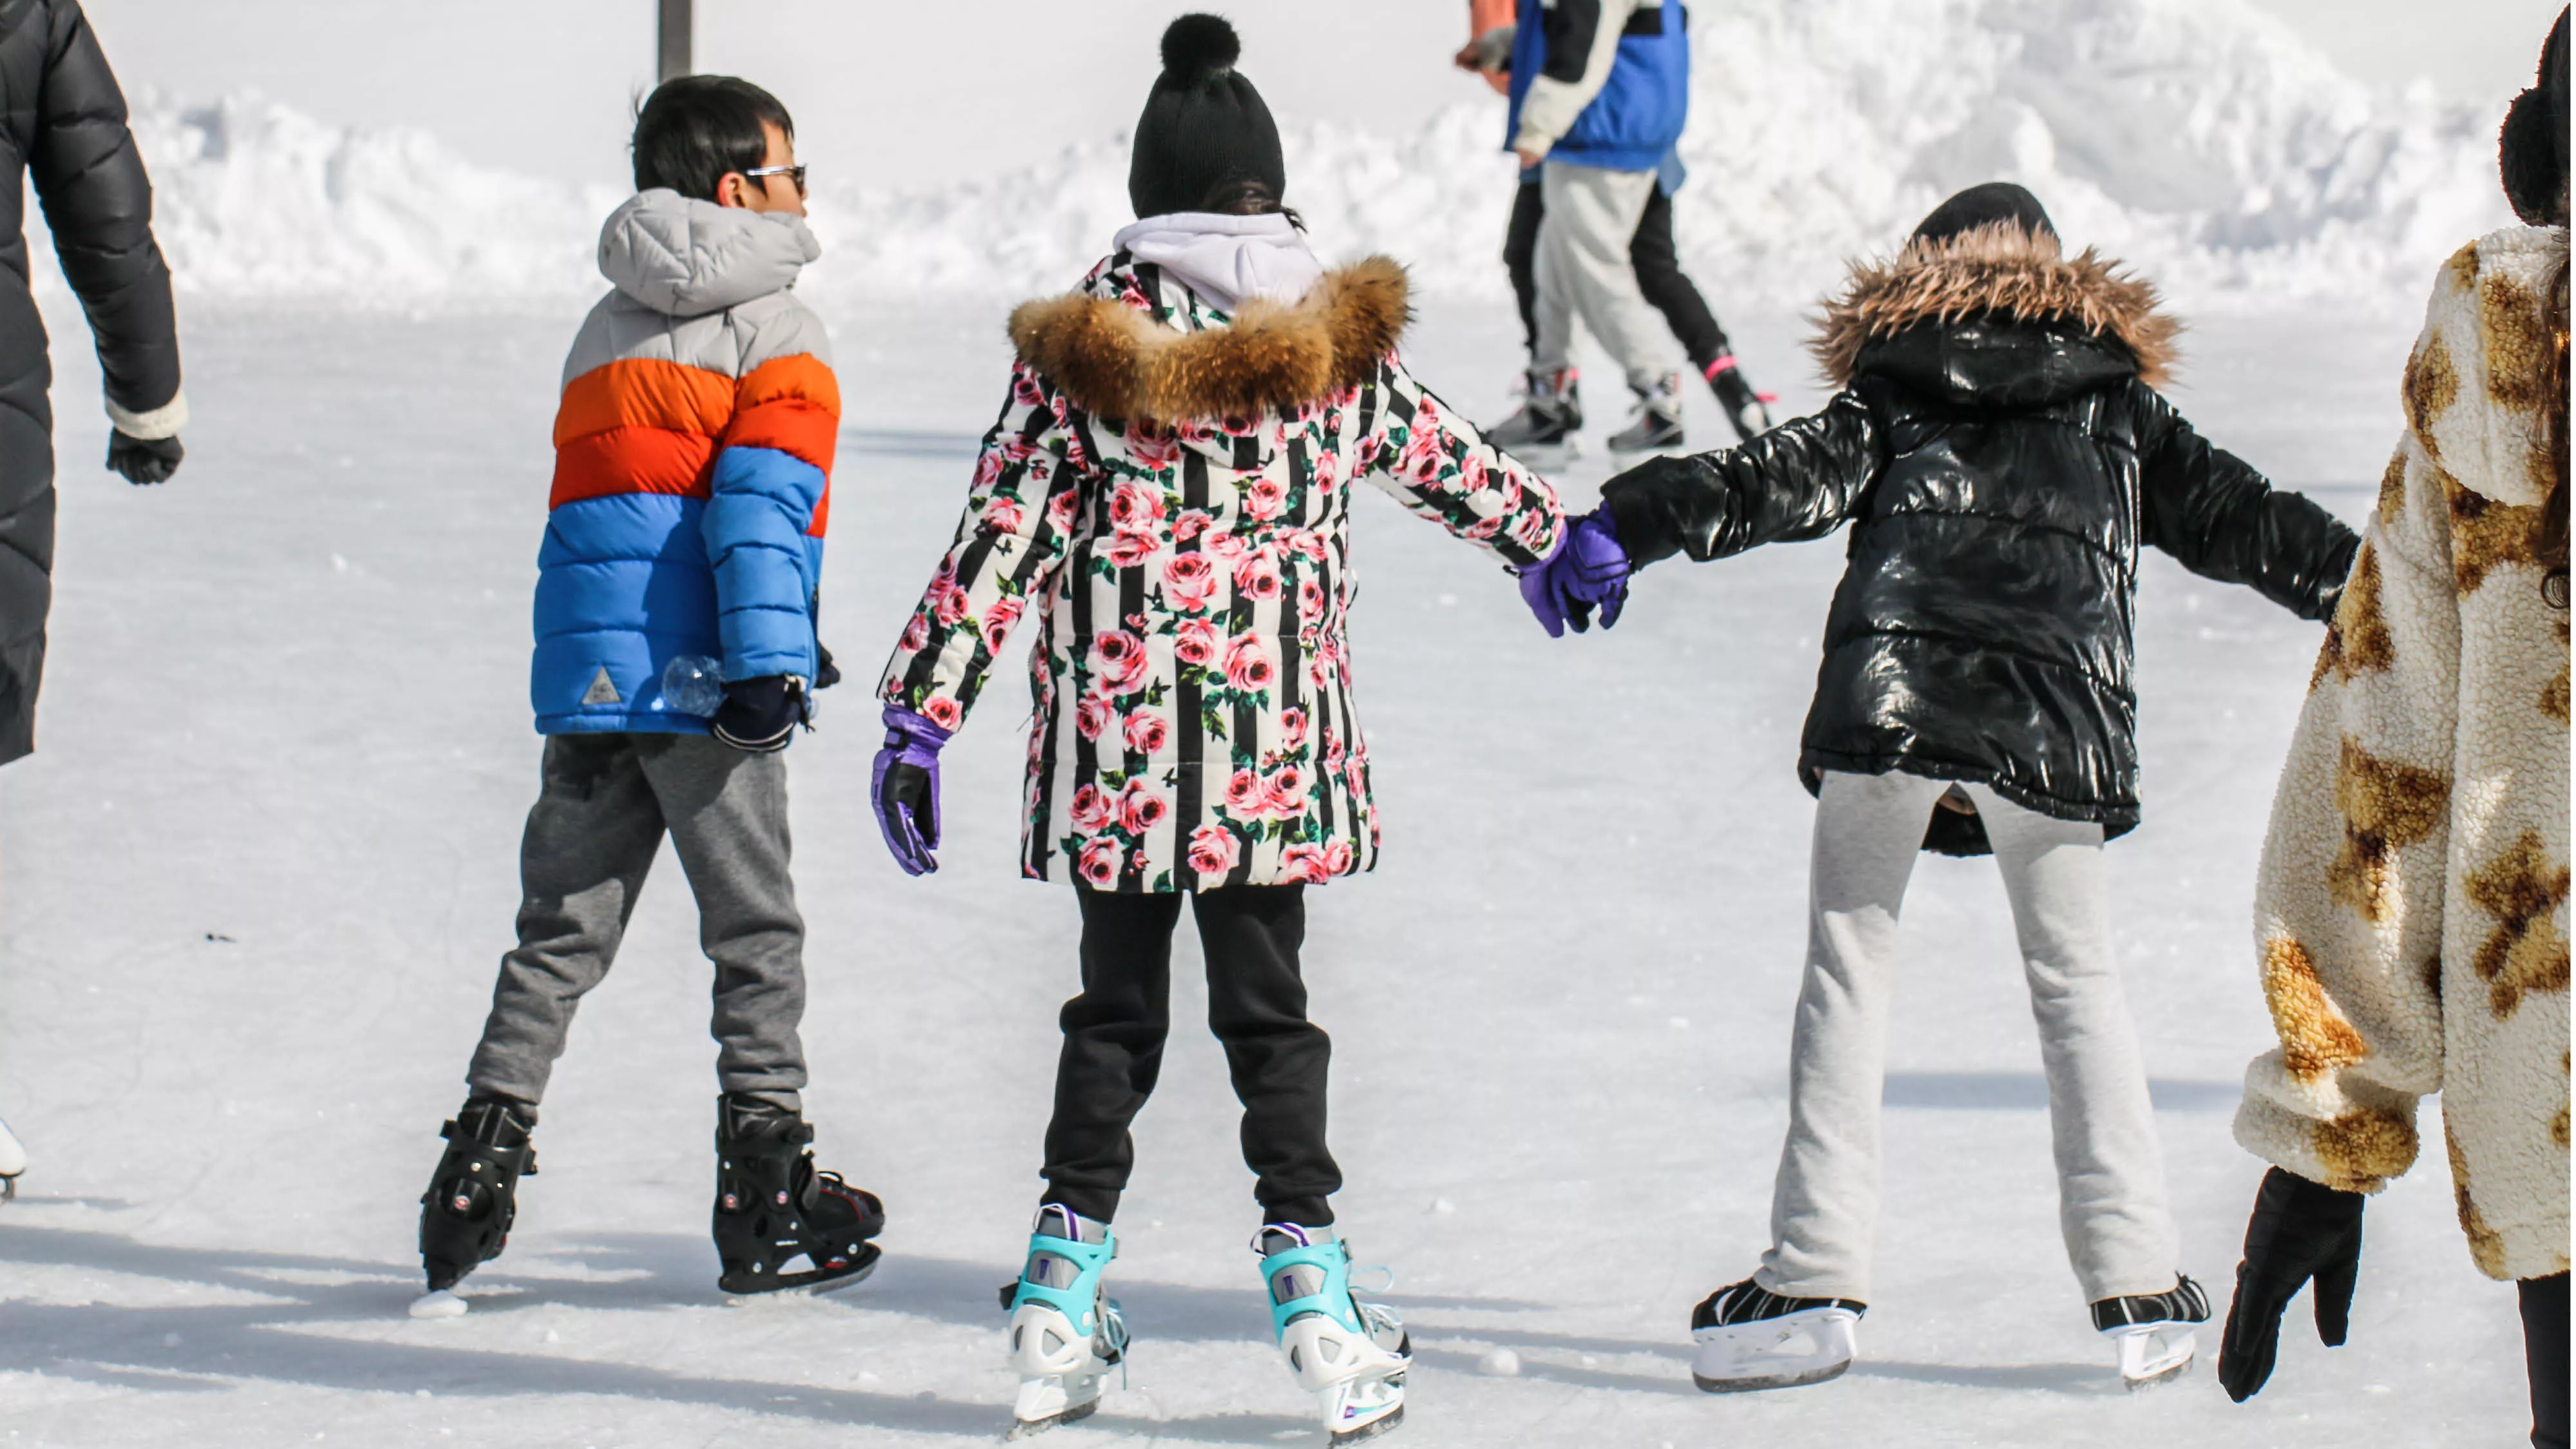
2198,138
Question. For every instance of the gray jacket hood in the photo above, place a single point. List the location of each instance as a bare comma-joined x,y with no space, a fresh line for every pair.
687,258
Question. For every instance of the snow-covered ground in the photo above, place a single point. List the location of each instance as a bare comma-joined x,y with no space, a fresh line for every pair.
252,891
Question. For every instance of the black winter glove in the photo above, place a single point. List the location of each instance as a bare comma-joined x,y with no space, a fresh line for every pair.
143,460
826,673
761,715
2300,1232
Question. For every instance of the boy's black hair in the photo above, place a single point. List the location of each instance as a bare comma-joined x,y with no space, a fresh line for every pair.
693,131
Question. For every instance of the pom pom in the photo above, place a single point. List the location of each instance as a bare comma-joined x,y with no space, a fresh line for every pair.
1199,45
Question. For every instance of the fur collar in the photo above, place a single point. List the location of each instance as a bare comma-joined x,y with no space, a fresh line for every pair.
1117,361
1998,267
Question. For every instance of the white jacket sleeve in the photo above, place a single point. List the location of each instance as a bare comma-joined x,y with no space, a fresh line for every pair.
2350,903
1552,104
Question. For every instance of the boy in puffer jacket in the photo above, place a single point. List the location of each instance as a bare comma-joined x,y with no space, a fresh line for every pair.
2002,457
675,653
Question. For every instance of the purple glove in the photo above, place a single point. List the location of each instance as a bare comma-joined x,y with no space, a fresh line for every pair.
1589,570
906,786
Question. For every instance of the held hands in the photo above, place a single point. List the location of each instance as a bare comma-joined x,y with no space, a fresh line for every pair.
143,460
2301,1233
1588,571
906,787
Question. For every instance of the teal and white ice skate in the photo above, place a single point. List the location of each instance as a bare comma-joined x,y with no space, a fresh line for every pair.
1065,1329
13,1161
1352,1355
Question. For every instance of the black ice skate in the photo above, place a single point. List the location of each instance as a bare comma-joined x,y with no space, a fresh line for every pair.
465,1216
2153,1331
779,1223
1658,427
1548,419
1744,407
1748,1337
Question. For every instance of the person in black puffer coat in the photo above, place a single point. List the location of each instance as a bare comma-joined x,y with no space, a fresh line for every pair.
62,122
2001,455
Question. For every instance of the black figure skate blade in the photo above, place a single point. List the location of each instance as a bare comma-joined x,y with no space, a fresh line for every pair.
815,1280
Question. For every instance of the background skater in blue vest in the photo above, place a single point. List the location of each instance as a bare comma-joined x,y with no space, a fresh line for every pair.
1493,32
1600,90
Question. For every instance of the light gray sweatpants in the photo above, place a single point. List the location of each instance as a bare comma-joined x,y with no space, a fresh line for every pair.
606,803
2112,1205
1583,269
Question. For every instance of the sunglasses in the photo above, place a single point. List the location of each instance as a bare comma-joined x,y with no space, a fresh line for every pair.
795,174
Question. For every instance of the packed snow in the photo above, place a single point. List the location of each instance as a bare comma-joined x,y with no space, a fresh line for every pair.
2200,139
260,872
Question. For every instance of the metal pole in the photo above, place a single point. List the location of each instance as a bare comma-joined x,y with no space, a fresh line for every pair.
674,35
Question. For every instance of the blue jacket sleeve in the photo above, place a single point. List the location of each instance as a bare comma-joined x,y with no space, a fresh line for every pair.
765,564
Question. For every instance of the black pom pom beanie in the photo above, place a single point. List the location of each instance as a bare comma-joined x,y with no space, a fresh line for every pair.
2532,151
1983,206
1204,124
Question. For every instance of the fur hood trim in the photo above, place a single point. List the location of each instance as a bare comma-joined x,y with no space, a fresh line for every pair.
1117,361
1997,267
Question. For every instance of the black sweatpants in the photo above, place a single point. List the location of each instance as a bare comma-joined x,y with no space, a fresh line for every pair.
2544,1347
1659,275
1113,1045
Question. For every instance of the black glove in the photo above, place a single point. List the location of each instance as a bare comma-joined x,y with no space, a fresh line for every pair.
761,715
144,460
2300,1231
826,673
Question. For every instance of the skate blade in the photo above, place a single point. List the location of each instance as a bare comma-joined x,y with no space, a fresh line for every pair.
813,1282
1364,1407
2150,1355
1383,1424
1025,1425
1792,1351
1775,1381
442,1303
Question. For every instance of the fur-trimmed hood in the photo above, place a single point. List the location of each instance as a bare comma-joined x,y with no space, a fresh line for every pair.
1994,268
1117,361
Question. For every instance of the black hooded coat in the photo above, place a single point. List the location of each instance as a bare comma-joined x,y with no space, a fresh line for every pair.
2001,455
62,123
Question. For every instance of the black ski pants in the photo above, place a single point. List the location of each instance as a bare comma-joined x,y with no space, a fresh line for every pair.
1659,275
1113,1045
2544,1347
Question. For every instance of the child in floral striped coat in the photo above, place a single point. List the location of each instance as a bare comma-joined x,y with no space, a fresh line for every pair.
1164,503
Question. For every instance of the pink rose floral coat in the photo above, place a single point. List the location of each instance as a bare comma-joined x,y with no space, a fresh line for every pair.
1165,500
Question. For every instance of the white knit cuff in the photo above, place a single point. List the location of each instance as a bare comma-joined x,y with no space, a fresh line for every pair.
164,421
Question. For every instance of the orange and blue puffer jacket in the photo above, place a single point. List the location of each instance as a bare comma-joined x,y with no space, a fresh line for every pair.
693,461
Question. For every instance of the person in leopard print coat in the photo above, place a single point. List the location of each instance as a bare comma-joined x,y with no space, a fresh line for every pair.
2411,915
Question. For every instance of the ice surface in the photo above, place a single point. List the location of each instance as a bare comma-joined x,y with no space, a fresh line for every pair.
257,880
2200,139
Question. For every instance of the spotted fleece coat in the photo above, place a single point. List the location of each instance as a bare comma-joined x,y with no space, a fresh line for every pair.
2412,909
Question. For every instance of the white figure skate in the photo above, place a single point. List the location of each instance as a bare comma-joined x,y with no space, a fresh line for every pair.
2152,1332
1351,1355
1746,1337
1066,1332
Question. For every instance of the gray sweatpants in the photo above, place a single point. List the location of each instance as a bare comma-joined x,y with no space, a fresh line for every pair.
2112,1205
607,801
1583,269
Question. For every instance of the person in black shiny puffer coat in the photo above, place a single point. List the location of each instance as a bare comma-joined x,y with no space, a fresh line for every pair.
2001,454
62,123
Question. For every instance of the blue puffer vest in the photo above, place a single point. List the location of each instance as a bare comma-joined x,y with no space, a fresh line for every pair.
1638,116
